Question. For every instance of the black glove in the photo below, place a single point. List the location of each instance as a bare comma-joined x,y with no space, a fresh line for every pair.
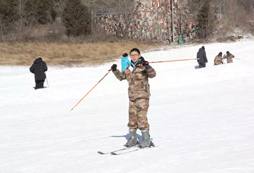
113,67
145,63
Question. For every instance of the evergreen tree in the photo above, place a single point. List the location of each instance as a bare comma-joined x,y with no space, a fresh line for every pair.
9,13
39,11
206,18
76,18
44,11
202,18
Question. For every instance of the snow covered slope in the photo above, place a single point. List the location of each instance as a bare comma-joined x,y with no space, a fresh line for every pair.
202,120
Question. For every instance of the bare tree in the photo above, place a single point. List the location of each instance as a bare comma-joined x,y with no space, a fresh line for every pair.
237,14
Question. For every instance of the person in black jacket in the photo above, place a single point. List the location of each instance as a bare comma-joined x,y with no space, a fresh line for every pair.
38,68
201,57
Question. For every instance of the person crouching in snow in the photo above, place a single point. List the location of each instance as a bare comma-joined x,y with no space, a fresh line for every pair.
139,94
229,57
125,62
218,59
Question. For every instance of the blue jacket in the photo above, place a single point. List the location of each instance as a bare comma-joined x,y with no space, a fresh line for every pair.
125,63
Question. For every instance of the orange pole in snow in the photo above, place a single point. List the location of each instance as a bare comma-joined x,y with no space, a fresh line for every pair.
91,89
173,60
149,63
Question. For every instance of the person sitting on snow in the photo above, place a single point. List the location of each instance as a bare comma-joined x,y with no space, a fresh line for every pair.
139,94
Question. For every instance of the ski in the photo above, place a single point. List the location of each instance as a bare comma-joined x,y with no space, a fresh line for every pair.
124,151
118,150
129,151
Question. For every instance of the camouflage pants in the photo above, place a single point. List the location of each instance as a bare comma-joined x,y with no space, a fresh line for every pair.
138,114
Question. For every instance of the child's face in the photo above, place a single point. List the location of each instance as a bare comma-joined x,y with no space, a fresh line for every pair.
135,56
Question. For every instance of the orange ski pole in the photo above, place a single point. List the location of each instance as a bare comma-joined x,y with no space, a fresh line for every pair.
173,60
91,89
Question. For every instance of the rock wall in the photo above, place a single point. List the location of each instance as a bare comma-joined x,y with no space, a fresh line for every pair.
151,21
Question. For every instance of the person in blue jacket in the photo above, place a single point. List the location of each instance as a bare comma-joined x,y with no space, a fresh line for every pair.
125,61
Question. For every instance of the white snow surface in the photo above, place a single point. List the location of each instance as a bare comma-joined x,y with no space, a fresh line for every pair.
201,120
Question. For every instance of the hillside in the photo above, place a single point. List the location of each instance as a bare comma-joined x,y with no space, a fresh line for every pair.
201,119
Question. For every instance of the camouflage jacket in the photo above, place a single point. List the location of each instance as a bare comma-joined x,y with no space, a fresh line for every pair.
229,58
138,81
218,60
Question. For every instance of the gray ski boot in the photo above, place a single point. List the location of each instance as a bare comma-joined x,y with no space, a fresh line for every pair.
132,139
146,141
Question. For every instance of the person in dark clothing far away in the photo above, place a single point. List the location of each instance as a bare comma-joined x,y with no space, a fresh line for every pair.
38,68
201,57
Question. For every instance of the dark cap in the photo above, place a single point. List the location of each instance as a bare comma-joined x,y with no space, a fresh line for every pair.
125,55
135,50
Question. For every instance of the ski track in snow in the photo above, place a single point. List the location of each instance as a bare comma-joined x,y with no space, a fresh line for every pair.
202,120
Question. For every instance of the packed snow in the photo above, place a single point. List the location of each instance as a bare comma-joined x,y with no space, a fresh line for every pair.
201,120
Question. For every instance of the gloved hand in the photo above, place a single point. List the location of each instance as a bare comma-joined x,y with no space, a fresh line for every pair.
145,63
113,67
